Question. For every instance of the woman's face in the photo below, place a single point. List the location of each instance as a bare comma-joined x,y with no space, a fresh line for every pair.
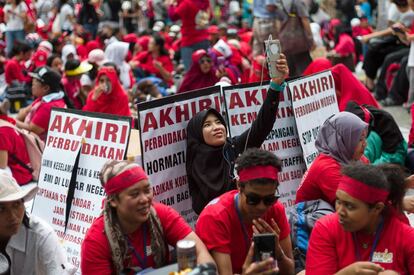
105,84
38,88
205,64
11,217
359,149
354,215
151,45
214,132
133,204
57,64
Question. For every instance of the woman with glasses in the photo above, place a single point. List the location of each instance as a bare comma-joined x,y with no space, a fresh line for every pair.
363,236
202,73
211,155
228,223
341,140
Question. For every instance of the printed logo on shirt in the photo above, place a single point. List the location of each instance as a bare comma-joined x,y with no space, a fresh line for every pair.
383,257
149,251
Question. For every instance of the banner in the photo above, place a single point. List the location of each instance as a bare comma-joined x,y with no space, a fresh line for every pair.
314,100
243,103
96,138
163,125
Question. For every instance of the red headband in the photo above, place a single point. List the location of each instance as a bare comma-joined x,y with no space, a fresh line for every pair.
258,172
124,180
367,114
362,191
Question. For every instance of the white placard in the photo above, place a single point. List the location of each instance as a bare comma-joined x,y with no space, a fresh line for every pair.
100,138
314,100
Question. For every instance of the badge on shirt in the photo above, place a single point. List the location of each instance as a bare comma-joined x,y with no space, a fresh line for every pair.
382,257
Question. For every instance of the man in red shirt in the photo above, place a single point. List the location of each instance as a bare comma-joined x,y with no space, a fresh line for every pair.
227,223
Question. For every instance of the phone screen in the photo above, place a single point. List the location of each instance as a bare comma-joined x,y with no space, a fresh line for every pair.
264,246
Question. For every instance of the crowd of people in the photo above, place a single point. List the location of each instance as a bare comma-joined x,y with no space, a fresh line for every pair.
108,55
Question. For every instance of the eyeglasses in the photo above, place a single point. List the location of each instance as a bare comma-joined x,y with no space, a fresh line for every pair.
204,60
252,199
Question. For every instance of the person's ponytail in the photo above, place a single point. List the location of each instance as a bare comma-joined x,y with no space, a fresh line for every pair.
396,176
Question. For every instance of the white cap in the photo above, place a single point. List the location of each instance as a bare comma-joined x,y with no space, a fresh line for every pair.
11,191
46,45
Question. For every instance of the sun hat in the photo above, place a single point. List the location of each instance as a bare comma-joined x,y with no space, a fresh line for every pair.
75,67
11,191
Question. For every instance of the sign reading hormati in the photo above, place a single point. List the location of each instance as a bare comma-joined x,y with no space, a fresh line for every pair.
243,104
163,125
98,138
314,100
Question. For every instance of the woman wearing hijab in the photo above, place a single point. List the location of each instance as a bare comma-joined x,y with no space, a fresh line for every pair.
341,140
318,65
69,53
108,96
385,142
348,88
211,155
201,74
133,232
116,52
363,236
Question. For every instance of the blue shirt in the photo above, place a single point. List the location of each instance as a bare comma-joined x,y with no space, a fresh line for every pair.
259,8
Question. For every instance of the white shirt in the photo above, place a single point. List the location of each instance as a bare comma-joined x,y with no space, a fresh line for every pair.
36,250
65,12
14,21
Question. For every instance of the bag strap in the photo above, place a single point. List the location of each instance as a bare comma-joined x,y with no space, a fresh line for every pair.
292,12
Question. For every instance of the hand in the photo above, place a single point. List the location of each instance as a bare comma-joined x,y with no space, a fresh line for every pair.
157,64
365,39
282,67
264,267
409,182
97,92
362,268
408,204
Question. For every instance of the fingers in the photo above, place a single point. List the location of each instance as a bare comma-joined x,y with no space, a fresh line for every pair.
370,268
264,267
249,257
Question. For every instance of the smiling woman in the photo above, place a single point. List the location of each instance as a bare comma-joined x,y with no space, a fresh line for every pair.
134,232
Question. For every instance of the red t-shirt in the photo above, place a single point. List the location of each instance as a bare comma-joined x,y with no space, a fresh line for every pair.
187,11
14,71
331,248
12,142
146,63
41,111
320,180
96,255
72,88
220,229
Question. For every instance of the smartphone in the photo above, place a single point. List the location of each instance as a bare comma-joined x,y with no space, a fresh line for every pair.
397,30
273,50
264,246
106,89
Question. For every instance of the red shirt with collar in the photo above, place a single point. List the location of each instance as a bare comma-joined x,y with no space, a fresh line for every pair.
331,248
14,71
96,257
220,229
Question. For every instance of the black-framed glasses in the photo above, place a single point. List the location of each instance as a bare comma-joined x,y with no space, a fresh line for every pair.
253,199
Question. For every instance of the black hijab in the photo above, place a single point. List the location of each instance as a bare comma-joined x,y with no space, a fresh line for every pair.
208,171
382,123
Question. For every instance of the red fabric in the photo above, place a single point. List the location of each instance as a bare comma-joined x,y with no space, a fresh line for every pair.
92,45
14,71
96,253
390,74
331,248
320,180
40,113
195,79
219,228
82,52
254,172
345,46
116,102
348,88
256,71
14,144
362,191
411,134
143,41
186,10
318,65
124,180
146,60
72,88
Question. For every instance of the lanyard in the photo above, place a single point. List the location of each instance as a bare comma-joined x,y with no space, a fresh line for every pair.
374,245
245,235
142,261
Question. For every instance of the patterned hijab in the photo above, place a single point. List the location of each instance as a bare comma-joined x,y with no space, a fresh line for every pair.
339,136
120,250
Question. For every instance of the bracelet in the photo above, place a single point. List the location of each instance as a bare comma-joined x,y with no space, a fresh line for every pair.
277,87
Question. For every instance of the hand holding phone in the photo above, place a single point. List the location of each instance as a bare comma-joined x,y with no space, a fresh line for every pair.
262,267
264,246
273,50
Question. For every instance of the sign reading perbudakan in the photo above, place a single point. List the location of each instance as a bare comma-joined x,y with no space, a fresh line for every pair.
99,138
243,104
163,125
314,100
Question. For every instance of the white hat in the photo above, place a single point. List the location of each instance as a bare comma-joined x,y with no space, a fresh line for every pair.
11,191
46,45
96,56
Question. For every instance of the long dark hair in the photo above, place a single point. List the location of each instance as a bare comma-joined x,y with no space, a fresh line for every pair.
160,42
